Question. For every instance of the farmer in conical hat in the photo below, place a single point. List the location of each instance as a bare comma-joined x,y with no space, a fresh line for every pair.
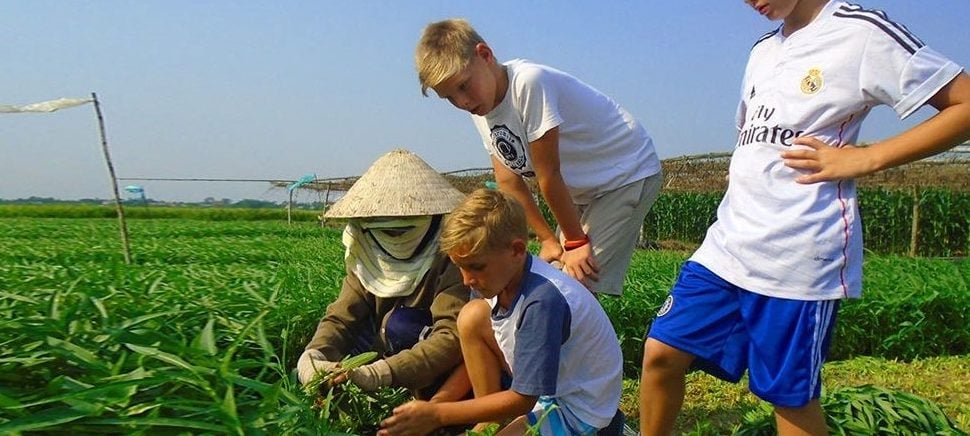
400,297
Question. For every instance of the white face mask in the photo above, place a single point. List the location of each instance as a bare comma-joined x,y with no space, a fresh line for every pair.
399,237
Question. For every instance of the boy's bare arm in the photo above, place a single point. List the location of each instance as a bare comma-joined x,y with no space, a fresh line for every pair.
420,417
513,184
545,161
578,262
939,133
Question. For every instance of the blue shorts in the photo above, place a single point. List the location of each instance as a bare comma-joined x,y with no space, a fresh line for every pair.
781,343
555,420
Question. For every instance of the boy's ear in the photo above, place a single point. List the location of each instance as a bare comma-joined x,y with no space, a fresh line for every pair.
483,51
519,246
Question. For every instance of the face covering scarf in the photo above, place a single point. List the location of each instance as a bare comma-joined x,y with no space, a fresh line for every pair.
387,255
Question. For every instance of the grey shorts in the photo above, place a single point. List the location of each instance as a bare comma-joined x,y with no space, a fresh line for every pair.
613,222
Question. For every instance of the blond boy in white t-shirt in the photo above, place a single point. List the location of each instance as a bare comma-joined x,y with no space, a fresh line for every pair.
594,164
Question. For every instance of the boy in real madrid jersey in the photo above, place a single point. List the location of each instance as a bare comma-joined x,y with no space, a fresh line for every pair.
762,291
594,164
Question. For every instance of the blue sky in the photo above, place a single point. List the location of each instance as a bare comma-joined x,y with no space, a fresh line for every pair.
266,90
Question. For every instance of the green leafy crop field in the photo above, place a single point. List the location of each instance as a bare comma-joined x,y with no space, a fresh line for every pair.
201,333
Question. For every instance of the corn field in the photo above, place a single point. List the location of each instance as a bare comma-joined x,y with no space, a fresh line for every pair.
942,225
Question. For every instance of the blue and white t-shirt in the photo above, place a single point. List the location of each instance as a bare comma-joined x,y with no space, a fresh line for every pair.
783,239
601,146
559,343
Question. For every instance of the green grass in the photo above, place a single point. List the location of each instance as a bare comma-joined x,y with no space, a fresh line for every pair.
201,332
717,407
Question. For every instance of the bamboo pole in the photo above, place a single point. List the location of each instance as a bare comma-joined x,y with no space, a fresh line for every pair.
114,182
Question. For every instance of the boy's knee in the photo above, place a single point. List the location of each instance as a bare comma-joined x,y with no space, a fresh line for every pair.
472,317
658,356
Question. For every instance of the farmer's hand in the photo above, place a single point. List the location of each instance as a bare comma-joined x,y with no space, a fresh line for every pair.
823,162
312,362
550,250
581,264
412,418
372,377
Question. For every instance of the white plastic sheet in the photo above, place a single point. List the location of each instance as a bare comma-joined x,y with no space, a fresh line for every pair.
46,106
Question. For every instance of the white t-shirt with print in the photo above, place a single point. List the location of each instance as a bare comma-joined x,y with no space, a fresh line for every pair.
601,146
774,236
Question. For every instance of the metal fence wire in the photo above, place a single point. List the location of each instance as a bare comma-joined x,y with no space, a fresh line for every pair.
708,173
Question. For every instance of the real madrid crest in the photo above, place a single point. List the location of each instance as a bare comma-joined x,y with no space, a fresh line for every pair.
812,82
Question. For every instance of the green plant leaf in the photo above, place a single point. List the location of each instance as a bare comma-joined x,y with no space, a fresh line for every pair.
206,340
169,358
42,419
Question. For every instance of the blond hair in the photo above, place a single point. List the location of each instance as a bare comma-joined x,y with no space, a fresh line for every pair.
445,48
486,220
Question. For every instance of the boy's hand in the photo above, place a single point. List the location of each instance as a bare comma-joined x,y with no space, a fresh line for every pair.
412,418
827,163
581,265
550,250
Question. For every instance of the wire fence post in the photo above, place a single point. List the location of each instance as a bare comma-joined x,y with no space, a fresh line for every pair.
126,247
289,207
326,204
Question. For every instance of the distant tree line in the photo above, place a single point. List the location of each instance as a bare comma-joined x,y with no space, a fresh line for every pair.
247,203
51,200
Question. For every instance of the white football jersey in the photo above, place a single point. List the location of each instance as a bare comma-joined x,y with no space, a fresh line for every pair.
774,236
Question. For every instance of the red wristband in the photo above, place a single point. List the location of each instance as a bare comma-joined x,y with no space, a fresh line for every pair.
572,245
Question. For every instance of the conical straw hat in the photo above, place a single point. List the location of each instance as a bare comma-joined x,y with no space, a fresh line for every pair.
398,184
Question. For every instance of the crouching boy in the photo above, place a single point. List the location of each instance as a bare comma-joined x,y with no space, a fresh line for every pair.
538,348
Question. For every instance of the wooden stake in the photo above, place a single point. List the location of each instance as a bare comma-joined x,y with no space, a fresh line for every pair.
914,230
114,182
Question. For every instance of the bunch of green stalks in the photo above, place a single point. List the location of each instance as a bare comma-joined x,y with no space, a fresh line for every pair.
864,410
346,407
493,428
